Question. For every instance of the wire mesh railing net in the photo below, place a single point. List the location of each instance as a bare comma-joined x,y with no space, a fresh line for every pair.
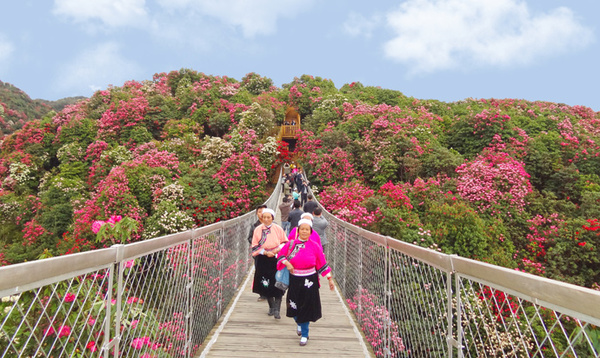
153,303
418,308
159,302
413,302
495,323
57,319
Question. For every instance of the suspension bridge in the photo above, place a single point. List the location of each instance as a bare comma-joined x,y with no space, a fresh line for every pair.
188,295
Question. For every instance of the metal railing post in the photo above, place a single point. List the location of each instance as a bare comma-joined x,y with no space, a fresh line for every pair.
189,314
360,274
221,272
459,331
119,299
449,312
106,343
388,299
345,261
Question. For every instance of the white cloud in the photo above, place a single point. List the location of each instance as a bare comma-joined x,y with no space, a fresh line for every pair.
96,68
434,35
358,25
257,17
112,13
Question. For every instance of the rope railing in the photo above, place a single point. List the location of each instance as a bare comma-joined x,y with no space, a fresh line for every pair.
159,297
415,302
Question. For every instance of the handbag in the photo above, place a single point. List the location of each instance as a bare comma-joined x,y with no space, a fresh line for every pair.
282,279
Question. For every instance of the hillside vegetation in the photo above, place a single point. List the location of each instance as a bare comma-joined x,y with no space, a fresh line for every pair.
511,182
17,108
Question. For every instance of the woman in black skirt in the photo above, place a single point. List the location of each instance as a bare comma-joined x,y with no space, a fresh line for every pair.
304,259
267,240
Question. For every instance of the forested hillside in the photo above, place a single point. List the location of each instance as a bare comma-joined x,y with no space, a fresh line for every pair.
510,182
17,108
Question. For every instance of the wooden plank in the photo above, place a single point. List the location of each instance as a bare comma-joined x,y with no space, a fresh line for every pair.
250,332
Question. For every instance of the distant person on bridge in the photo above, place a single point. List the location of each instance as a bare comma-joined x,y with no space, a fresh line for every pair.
314,236
305,260
267,241
310,205
285,209
287,187
295,214
320,225
298,181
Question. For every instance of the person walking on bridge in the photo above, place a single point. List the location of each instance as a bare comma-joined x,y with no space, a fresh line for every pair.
310,205
314,236
285,209
259,212
320,225
267,241
295,215
305,260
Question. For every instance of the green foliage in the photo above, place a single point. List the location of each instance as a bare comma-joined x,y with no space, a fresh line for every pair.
23,108
573,256
259,119
82,132
543,159
219,124
136,135
163,110
440,160
119,233
458,229
375,95
177,128
325,113
256,84
143,181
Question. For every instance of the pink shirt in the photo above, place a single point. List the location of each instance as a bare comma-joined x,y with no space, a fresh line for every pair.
274,238
307,255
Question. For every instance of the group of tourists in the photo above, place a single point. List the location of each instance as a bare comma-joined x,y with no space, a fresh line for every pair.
298,245
295,184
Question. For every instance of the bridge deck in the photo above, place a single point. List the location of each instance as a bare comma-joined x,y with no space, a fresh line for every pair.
247,331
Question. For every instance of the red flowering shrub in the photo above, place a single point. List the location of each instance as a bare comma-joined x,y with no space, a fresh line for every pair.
347,202
242,179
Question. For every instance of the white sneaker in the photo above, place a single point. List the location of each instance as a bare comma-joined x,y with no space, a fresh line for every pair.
303,341
299,330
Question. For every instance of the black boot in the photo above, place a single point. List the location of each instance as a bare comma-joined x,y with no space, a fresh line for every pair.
271,301
276,307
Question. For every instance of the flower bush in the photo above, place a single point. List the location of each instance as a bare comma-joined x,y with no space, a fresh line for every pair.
495,184
372,317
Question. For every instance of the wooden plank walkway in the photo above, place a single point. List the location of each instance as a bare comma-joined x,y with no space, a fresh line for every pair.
246,331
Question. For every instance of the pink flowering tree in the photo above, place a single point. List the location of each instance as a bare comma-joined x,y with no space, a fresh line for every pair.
348,202
495,184
241,178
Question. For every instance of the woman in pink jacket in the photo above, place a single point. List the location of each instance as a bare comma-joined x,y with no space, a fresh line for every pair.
304,259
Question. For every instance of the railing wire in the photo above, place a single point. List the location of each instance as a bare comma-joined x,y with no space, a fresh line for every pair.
162,297
159,297
414,302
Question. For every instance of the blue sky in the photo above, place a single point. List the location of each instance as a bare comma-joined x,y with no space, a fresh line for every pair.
429,49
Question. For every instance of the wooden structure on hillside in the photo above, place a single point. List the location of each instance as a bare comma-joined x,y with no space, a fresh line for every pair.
291,124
